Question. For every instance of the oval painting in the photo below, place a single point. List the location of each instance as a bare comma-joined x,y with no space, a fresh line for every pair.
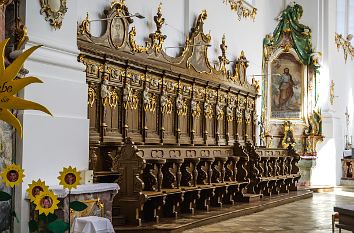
54,5
117,32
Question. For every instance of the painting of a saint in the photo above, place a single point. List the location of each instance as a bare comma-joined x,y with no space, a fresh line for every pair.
286,87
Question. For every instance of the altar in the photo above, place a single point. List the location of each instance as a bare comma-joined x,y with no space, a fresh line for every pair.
98,198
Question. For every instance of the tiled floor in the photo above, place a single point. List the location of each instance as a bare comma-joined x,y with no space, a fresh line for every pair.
309,215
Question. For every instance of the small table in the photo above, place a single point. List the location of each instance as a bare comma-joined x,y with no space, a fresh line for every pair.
92,224
346,217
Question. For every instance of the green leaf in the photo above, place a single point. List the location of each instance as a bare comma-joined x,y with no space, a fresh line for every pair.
52,217
58,226
77,205
4,196
33,226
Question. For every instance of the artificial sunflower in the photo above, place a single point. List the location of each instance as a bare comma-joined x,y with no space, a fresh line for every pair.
9,86
69,177
12,175
46,202
35,188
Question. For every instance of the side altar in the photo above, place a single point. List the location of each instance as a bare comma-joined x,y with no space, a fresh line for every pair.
179,133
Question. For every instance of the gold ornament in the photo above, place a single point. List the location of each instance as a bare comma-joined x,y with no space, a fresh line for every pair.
69,177
35,188
9,86
46,202
12,175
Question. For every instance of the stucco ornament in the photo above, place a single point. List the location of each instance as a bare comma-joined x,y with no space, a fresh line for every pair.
54,11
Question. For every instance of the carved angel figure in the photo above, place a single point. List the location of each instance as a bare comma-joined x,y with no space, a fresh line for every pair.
127,92
229,110
179,101
105,93
164,99
146,96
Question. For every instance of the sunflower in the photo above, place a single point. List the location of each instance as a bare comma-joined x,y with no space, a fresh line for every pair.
9,86
12,175
35,188
46,202
69,177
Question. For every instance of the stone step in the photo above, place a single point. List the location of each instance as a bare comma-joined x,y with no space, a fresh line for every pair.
250,198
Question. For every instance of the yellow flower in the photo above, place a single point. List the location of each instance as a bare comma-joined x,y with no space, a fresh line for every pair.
46,202
69,177
12,175
35,188
9,86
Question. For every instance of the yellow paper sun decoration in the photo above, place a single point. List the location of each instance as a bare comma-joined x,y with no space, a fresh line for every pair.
46,202
35,188
69,177
12,175
9,86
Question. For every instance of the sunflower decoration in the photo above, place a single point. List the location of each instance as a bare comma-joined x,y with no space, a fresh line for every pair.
9,86
69,177
12,175
35,188
46,202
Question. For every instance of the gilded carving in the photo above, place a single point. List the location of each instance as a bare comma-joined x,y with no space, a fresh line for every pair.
54,11
113,98
223,59
346,45
166,103
288,138
239,115
208,110
157,38
84,27
130,98
219,111
196,110
181,106
242,9
149,101
133,45
91,95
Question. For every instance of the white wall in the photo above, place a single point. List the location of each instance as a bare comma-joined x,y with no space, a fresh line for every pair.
320,15
50,143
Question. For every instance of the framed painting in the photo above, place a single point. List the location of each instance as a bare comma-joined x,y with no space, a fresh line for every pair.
286,87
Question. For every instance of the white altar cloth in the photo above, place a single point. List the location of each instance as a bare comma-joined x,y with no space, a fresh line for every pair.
85,188
92,224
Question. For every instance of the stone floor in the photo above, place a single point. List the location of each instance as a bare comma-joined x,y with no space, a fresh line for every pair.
308,215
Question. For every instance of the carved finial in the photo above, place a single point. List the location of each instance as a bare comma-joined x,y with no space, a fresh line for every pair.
85,26
157,38
159,20
222,59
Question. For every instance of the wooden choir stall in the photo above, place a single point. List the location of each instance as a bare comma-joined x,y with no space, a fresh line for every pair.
176,133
